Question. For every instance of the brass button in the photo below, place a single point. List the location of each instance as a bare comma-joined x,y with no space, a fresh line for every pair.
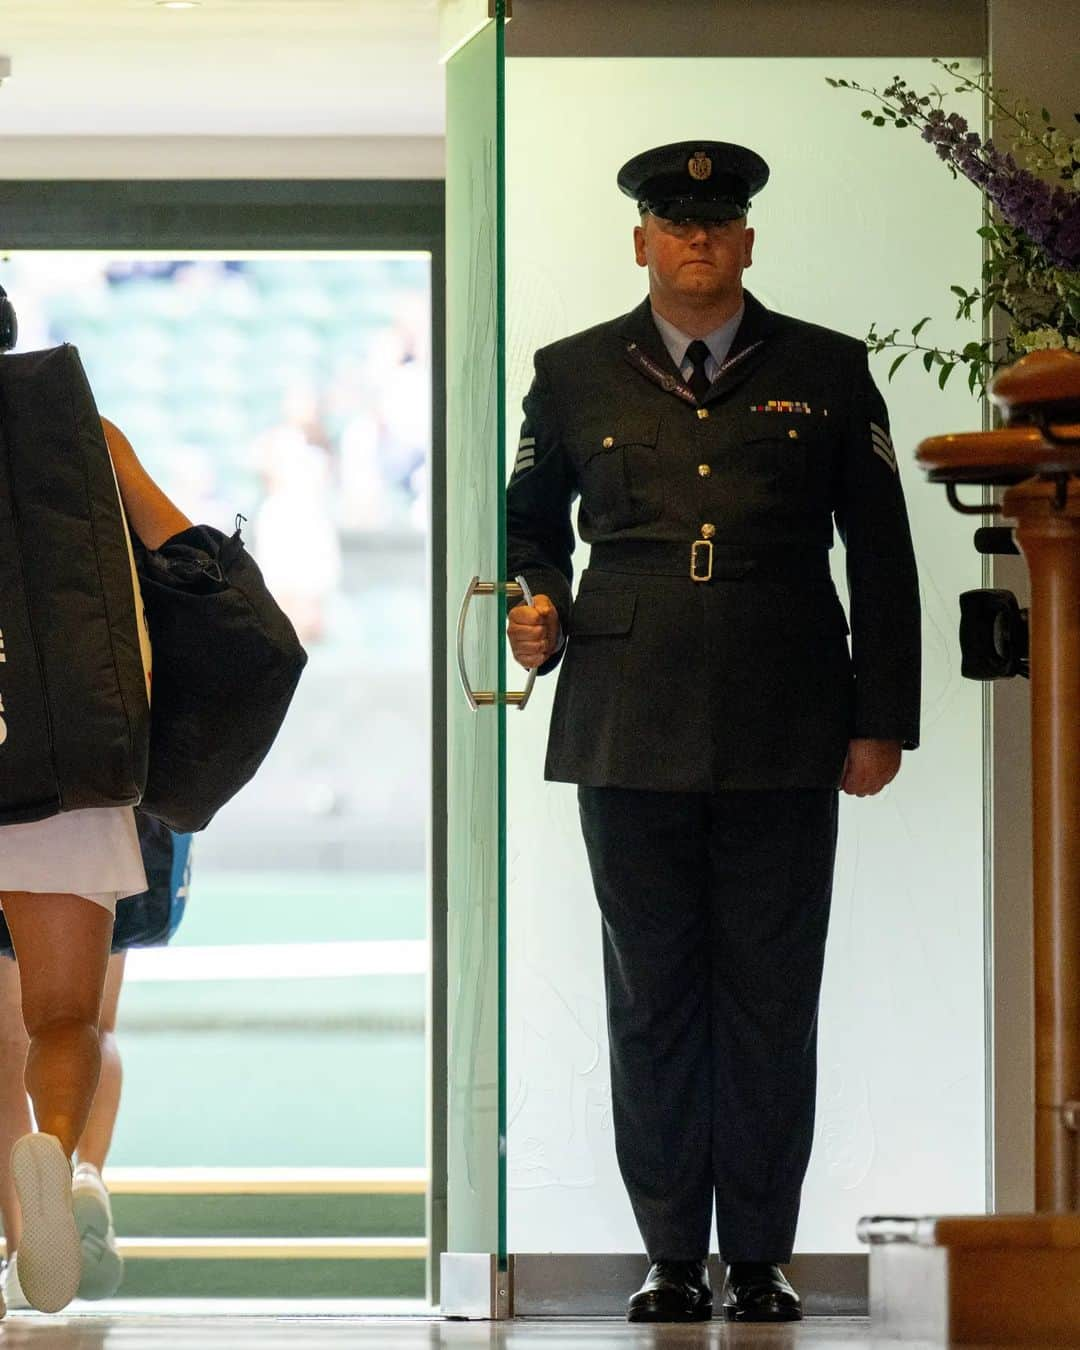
704,470
707,531
608,442
703,413
793,434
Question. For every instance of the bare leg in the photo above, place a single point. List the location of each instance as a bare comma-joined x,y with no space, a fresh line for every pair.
62,945
97,1136
14,1106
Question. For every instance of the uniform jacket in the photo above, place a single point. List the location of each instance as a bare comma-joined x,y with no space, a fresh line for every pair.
746,680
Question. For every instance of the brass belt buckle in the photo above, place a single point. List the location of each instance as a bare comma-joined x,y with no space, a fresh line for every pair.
695,575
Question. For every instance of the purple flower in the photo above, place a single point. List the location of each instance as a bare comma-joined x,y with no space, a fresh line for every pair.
1067,243
1049,216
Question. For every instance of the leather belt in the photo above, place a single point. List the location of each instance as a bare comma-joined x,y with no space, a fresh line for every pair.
705,560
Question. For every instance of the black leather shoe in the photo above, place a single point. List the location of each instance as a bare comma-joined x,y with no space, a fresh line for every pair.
674,1291
756,1291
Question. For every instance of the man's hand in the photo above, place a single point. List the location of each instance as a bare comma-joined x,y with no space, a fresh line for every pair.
870,766
533,631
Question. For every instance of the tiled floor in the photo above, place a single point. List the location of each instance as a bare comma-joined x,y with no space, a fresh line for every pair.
241,1327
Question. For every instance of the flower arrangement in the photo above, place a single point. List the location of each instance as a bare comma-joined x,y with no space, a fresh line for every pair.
1032,230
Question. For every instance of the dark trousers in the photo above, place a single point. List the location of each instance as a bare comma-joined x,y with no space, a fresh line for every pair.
715,909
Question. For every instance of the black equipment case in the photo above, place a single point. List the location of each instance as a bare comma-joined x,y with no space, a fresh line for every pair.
74,711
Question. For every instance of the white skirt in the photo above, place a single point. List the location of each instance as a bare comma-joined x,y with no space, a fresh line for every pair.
93,853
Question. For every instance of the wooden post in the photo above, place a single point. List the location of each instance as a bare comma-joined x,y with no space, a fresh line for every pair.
1048,534
1013,1279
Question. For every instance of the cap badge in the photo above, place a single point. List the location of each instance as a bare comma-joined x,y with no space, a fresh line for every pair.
700,166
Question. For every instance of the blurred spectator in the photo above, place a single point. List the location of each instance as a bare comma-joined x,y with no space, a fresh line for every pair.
295,534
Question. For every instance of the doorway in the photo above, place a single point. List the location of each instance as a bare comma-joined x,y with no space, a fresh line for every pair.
273,1140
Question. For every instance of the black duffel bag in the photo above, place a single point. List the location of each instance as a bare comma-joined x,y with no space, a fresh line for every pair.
226,664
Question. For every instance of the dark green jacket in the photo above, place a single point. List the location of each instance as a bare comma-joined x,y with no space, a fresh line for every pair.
744,681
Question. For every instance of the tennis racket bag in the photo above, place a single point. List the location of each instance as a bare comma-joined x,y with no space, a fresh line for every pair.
74,708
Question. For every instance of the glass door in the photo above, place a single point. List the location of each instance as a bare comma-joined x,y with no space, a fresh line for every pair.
474,1275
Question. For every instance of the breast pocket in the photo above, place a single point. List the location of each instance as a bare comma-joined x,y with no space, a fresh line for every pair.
621,477
779,457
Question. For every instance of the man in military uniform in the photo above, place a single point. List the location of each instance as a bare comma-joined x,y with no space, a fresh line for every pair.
708,706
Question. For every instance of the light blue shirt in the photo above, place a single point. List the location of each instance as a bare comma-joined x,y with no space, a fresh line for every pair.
718,342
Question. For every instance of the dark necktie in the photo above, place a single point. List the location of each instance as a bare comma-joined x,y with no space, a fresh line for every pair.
697,354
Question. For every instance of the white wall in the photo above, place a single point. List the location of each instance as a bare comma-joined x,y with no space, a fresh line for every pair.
857,225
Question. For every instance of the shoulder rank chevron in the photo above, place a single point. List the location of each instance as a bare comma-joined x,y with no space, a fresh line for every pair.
882,446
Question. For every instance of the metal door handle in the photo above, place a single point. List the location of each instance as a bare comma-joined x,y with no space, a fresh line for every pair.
487,698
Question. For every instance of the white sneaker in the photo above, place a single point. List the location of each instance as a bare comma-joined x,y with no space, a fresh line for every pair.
11,1294
49,1256
102,1264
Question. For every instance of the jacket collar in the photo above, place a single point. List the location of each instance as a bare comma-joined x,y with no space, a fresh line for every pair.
641,341
647,352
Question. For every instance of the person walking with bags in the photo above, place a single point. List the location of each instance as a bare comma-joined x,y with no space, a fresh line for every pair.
708,707
60,880
87,586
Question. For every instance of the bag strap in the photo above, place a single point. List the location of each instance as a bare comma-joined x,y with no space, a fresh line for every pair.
231,549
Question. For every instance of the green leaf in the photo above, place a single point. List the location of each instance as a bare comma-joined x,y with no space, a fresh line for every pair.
1045,115
879,121
866,113
986,232
901,122
920,326
898,363
928,360
960,291
829,80
973,351
946,371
